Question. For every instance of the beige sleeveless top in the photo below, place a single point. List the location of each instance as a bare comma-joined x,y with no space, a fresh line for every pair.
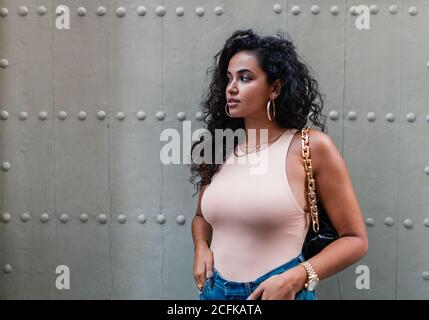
257,223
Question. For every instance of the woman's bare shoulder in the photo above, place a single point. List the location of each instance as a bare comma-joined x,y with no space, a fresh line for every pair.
323,148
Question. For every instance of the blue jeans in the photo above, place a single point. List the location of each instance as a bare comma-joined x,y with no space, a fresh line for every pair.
218,288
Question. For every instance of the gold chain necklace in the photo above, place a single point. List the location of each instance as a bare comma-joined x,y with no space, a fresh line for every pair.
258,145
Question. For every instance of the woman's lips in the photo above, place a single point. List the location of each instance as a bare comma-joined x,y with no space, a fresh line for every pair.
233,104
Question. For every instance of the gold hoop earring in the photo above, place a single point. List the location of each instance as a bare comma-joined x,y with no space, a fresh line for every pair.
226,110
268,110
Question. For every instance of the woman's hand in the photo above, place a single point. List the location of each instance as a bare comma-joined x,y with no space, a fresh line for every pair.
282,286
203,263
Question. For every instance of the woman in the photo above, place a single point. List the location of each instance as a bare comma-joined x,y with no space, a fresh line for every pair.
249,230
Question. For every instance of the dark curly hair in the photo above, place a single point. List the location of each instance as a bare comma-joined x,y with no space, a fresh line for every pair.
299,98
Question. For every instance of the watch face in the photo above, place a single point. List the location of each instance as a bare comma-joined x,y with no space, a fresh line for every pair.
312,284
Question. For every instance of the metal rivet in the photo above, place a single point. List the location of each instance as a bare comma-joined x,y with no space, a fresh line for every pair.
141,218
102,218
427,170
160,11
425,275
121,12
353,10
23,116
371,116
141,11
122,218
4,115
373,9
411,117
352,115
181,116
4,12
43,115
64,218
101,11
62,115
44,217
295,10
160,115
412,11
7,268
393,9
389,221
5,217
218,11
335,10
141,115
408,223
180,11
277,8
4,63
369,222
83,217
82,115
41,10
5,166
81,11
333,115
427,64
25,217
199,11
390,117
160,218
180,219
426,222
315,9
23,11
427,118
101,115
199,116
120,116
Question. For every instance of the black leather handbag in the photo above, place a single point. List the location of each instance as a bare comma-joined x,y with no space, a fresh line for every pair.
321,232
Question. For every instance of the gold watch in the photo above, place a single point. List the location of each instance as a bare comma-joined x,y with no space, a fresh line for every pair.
312,278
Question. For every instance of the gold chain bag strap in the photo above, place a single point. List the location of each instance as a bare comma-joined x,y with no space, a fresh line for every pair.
310,182
322,232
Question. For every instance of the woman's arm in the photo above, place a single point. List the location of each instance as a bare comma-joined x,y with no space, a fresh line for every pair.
201,229
202,233
334,189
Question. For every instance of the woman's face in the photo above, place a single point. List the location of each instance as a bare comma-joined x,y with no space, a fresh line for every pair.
247,84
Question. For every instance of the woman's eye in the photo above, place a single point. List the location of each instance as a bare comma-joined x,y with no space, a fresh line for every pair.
241,78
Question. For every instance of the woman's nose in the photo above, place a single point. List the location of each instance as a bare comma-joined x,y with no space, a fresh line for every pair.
232,87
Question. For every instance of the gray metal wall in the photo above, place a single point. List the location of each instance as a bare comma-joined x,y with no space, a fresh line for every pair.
81,112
